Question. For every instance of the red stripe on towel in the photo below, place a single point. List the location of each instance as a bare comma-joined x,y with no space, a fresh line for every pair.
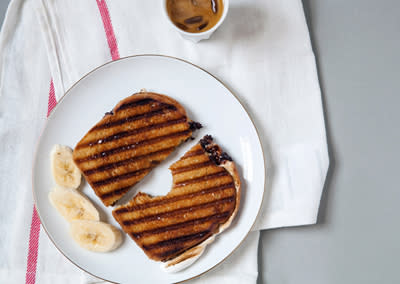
52,99
108,28
30,276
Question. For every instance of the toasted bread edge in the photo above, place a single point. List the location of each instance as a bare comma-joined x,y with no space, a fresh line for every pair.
149,95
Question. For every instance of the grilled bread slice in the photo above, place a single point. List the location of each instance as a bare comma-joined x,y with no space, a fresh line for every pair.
204,199
123,147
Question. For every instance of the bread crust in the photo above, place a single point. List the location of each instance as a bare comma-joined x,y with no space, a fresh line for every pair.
150,95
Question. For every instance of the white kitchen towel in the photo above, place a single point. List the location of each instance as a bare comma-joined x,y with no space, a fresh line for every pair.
262,52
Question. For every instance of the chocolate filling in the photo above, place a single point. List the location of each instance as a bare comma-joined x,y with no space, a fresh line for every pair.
214,151
193,125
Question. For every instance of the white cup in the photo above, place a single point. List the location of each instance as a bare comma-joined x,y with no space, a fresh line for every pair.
196,37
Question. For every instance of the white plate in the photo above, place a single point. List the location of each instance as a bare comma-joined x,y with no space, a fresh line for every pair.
206,100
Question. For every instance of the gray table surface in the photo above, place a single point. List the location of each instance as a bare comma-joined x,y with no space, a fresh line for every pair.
357,236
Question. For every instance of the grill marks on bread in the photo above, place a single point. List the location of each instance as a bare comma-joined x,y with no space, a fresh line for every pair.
202,198
123,147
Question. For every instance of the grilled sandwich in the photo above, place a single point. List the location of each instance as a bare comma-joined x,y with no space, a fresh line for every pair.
128,142
203,201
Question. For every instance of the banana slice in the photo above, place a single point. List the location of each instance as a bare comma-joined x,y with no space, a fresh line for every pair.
95,236
72,205
64,170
